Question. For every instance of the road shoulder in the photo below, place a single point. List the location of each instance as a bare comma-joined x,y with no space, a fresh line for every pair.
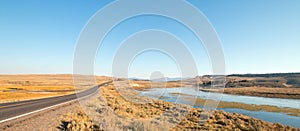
47,119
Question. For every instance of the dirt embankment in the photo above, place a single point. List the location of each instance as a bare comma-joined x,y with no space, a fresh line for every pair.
112,111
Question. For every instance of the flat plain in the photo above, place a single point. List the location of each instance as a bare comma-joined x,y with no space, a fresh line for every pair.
26,87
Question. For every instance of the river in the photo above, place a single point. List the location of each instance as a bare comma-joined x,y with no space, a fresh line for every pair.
167,94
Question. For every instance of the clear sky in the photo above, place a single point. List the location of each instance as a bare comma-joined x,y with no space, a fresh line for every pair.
258,36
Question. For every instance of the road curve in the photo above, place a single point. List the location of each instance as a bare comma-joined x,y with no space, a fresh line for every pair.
9,111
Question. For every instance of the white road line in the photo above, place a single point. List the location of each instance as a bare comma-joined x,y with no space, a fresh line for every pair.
15,117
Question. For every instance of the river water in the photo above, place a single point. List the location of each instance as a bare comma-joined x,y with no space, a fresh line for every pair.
167,94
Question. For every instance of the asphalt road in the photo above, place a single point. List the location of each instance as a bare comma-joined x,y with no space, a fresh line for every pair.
15,109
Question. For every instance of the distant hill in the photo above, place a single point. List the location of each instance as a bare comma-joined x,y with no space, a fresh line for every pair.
268,75
276,80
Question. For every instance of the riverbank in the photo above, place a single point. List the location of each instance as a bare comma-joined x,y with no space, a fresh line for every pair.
287,93
111,111
279,92
238,105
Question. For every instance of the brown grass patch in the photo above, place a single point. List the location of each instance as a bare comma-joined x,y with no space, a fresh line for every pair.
140,85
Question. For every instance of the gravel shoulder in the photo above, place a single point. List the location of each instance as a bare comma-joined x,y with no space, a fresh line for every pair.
48,120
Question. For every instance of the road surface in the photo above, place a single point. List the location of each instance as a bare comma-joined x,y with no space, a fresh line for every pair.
13,110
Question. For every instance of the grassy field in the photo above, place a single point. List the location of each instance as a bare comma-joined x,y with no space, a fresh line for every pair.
26,87
110,111
141,84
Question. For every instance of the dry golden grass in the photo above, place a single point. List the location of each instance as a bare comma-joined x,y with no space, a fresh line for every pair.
13,97
26,87
291,93
111,111
140,85
288,93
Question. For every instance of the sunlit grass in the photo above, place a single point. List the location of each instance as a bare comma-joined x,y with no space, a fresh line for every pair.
26,87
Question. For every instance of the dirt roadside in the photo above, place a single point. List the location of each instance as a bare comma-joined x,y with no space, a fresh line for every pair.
48,120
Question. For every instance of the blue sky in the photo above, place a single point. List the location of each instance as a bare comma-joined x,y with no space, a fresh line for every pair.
39,36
